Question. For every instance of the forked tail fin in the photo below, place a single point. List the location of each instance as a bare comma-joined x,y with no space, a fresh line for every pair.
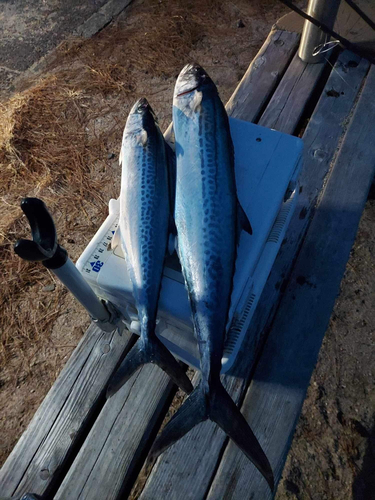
191,413
226,414
219,407
149,350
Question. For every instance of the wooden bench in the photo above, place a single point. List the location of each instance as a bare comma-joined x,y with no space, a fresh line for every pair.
79,446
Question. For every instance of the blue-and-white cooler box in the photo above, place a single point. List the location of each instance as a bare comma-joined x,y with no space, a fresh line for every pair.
267,165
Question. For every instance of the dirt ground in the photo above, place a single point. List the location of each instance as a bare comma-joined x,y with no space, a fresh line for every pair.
90,87
333,451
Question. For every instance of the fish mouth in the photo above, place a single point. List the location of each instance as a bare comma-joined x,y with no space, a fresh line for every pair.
143,103
143,107
187,91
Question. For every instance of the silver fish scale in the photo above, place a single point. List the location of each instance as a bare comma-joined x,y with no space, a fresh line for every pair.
205,216
206,203
146,223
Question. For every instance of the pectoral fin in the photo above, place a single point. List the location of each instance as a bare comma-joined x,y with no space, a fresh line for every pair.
172,235
243,223
143,138
171,161
171,244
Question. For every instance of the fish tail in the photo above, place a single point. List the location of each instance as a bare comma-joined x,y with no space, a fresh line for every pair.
149,350
162,357
133,360
227,415
190,414
219,407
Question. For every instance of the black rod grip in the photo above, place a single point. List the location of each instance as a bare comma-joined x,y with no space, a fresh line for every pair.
43,246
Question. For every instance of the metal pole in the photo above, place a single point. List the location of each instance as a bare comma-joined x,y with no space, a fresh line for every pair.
324,11
69,275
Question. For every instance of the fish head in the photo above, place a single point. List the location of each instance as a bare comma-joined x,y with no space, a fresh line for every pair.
192,83
141,121
193,77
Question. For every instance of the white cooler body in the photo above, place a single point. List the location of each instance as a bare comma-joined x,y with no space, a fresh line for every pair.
267,165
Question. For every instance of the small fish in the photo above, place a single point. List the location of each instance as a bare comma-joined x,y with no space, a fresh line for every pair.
144,226
209,219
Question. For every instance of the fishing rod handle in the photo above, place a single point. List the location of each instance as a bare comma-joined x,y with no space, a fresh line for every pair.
44,248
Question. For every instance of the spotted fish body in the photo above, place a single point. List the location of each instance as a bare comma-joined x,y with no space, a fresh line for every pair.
143,234
207,215
144,211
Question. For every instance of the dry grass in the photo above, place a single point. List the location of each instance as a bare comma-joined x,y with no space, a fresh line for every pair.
44,152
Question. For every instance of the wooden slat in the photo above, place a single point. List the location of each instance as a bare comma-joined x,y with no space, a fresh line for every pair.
278,389
263,75
37,459
108,457
288,103
120,462
203,444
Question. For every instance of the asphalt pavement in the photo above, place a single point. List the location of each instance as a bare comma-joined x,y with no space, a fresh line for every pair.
29,29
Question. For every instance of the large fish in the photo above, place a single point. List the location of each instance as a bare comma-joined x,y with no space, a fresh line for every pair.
209,219
143,231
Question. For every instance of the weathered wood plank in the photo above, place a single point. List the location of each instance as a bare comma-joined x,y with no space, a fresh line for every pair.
108,457
263,75
204,443
122,463
327,124
36,461
279,385
287,104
